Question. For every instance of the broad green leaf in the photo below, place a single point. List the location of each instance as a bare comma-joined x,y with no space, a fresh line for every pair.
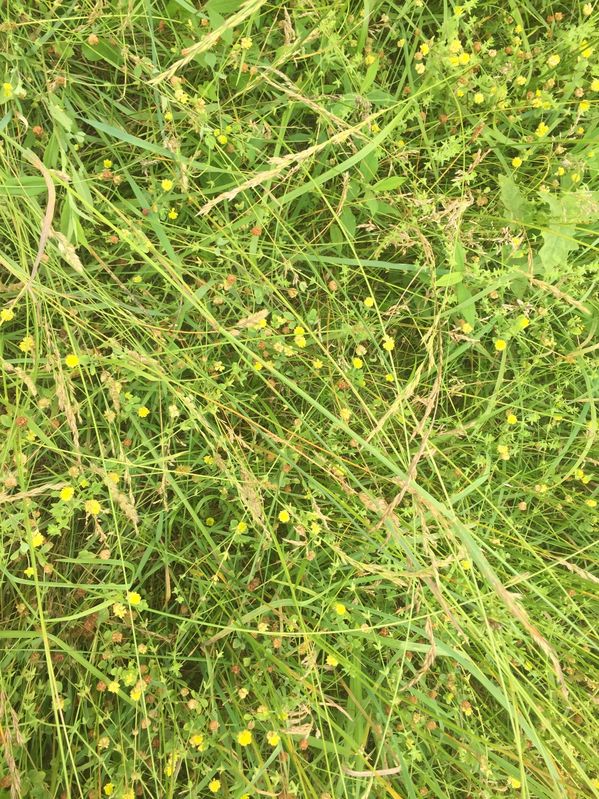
450,279
517,206
23,186
390,183
59,115
467,305
459,257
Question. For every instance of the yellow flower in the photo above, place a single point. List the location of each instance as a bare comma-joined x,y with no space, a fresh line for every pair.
107,163
553,60
133,598
511,418
369,59
514,783
500,344
467,328
258,366
197,740
172,214
455,46
222,139
523,322
583,106
273,738
340,608
479,98
317,364
587,52
37,539
67,493
542,129
108,789
587,9
463,59
113,687
135,693
357,363
424,48
143,411
389,377
214,785
241,527
29,571
129,794
284,516
26,344
7,315
388,344
7,91
595,85
592,503
332,661
466,565
245,738
345,414
71,360
369,302
246,43
516,162
92,506
166,184
210,521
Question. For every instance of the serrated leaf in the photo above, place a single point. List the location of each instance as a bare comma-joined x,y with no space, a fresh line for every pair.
568,211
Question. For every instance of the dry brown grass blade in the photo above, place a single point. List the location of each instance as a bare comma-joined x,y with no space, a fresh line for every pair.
560,295
10,734
33,492
20,373
375,772
209,40
48,214
248,321
291,161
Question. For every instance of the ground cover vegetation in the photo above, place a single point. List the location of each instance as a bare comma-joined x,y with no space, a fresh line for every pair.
297,466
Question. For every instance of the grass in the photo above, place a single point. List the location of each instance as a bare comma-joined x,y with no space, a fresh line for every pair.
298,307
